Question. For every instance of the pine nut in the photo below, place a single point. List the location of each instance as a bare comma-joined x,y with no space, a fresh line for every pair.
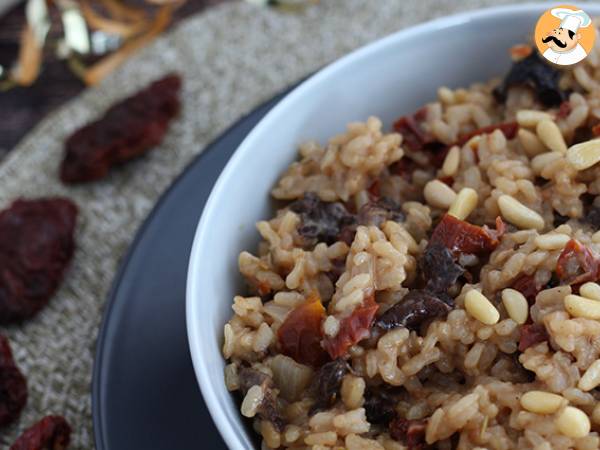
451,162
516,305
531,117
591,377
552,241
550,135
464,203
438,194
252,401
518,214
579,306
596,414
478,306
539,162
573,422
446,95
584,155
541,402
530,143
590,290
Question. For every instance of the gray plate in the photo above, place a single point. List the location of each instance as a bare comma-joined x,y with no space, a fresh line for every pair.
144,392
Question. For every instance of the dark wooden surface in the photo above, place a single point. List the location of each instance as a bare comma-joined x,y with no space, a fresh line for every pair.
22,108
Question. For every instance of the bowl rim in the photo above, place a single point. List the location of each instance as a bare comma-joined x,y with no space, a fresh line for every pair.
227,429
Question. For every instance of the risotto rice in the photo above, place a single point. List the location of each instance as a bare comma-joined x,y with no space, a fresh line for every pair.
435,285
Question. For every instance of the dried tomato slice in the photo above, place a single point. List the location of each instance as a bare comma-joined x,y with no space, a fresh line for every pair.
127,130
526,285
416,139
462,237
354,328
404,168
409,432
564,110
300,334
36,246
50,433
13,386
413,135
509,129
577,264
532,334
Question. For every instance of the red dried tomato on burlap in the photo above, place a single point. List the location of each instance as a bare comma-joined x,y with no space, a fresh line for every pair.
127,130
50,433
36,246
13,386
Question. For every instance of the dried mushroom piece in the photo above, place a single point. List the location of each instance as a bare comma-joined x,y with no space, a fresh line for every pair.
537,74
439,268
327,383
417,307
321,221
268,408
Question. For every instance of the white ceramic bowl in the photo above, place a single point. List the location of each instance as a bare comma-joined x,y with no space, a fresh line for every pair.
388,78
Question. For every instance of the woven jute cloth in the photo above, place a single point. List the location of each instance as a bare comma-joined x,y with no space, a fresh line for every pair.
231,58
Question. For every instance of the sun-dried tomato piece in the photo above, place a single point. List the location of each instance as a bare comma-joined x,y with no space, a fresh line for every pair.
300,334
537,74
327,383
564,110
127,130
416,139
413,135
532,334
13,386
577,264
418,306
527,286
509,129
520,51
462,237
354,328
36,246
404,167
50,433
410,432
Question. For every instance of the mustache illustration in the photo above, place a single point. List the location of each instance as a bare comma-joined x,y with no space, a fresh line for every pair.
556,41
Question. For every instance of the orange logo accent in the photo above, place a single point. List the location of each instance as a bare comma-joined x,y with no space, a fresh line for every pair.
564,35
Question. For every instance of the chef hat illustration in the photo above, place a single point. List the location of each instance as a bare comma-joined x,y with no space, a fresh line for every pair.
571,20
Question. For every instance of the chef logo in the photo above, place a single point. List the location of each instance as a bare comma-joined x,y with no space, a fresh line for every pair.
565,35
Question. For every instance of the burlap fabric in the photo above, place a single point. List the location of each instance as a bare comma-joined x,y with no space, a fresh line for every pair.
232,58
